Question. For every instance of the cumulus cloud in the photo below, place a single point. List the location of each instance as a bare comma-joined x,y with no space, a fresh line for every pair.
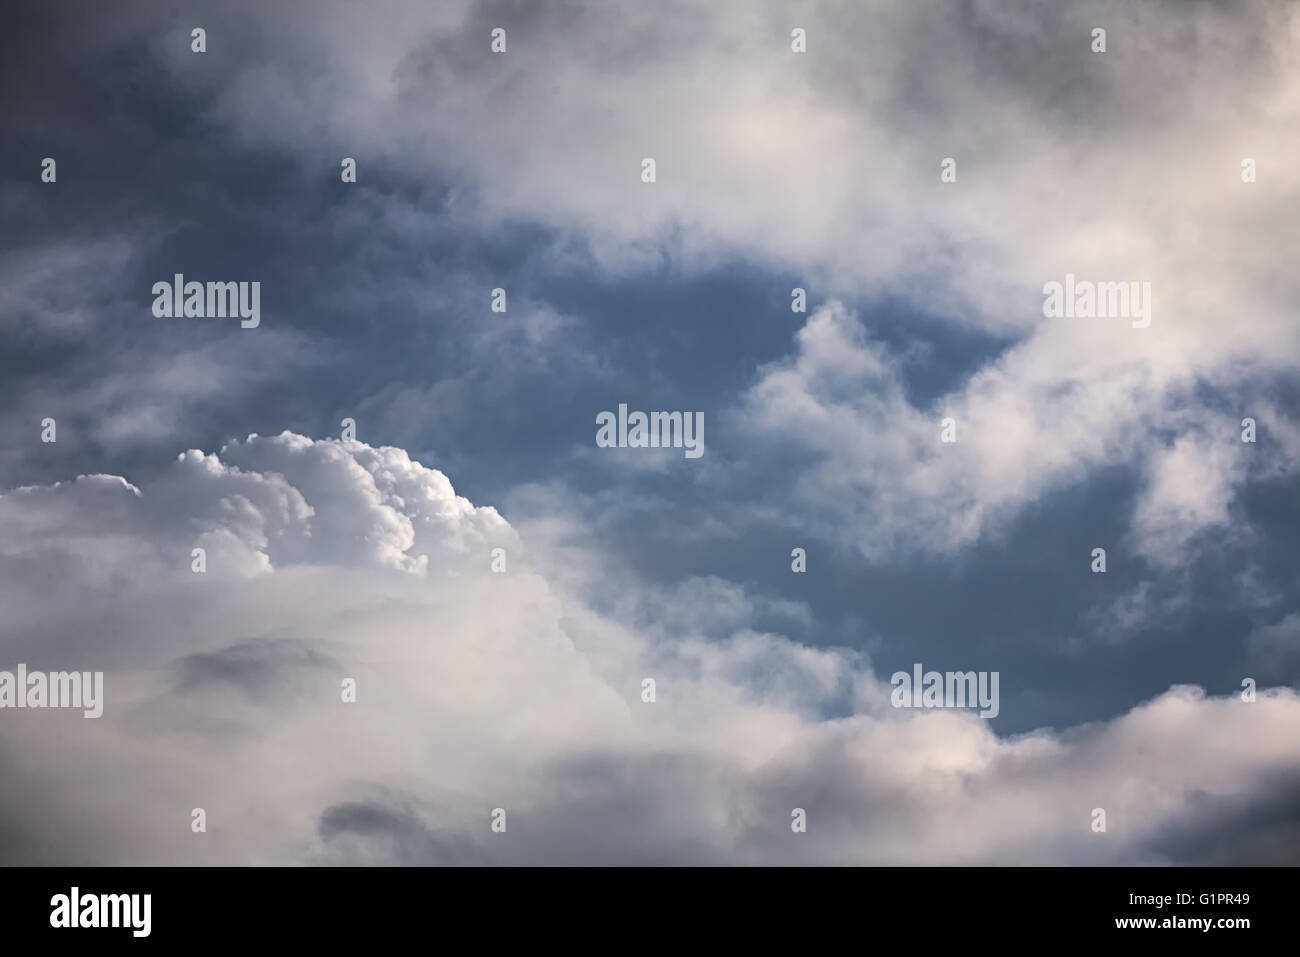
876,474
477,690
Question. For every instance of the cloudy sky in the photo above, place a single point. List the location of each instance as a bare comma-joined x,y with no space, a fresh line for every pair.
370,559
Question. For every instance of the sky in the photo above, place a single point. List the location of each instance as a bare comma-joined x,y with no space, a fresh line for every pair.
920,170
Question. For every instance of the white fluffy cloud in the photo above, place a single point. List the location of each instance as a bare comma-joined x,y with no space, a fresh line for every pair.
879,478
476,690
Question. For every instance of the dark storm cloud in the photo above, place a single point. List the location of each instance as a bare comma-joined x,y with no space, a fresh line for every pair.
1261,828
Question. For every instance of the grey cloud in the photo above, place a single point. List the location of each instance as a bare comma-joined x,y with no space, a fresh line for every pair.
1258,829
385,831
264,669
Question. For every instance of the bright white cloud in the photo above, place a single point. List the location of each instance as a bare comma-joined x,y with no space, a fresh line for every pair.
478,690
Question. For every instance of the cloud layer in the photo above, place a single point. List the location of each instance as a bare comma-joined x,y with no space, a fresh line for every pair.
328,560
476,690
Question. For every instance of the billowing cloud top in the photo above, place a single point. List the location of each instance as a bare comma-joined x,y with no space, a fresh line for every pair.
329,561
